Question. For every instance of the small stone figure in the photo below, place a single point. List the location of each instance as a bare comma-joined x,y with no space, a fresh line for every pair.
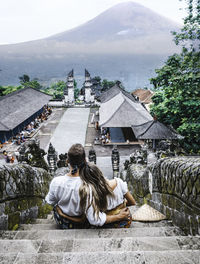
92,156
52,158
62,162
22,155
35,156
139,156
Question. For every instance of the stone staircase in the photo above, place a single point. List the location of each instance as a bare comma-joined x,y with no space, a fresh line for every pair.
143,243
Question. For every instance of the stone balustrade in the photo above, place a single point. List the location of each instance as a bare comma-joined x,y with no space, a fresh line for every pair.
22,190
170,185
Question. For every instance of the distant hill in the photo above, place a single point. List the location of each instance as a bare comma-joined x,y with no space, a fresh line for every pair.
126,42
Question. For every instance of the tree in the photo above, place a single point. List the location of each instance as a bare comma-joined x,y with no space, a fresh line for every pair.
27,82
107,84
177,101
24,79
97,78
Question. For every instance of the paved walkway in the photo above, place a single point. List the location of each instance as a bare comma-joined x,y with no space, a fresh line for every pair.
71,129
105,165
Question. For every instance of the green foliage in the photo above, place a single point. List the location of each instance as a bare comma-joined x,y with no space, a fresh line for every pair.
76,93
4,90
107,84
97,78
26,82
190,32
177,100
56,89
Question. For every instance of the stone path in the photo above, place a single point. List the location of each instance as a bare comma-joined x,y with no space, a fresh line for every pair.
70,130
105,165
143,243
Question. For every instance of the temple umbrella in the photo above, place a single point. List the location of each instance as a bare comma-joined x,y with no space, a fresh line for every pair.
155,130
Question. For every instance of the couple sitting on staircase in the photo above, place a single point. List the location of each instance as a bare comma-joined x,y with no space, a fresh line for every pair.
84,198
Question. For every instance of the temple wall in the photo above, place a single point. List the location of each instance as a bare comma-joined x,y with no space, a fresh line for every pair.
22,192
172,186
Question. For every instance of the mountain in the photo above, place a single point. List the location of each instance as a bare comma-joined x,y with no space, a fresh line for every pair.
124,21
126,42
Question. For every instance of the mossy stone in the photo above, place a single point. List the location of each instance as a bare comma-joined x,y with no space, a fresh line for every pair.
13,220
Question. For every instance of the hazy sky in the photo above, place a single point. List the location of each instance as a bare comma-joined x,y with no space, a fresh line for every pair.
23,20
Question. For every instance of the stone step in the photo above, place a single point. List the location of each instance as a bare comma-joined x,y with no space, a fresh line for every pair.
100,244
35,233
163,223
44,221
49,226
147,257
53,226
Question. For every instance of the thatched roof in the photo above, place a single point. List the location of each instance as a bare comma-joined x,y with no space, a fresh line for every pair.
113,91
19,106
154,130
121,111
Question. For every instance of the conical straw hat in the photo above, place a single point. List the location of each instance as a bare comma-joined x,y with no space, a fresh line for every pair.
147,214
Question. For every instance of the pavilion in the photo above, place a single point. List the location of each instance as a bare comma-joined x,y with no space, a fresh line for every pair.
18,109
155,131
119,111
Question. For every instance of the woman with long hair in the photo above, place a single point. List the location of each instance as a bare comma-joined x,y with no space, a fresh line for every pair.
84,193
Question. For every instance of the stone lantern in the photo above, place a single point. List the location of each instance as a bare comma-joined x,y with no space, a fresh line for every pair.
22,154
92,156
115,160
52,158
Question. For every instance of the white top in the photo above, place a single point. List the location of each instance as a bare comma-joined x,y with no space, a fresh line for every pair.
120,190
64,191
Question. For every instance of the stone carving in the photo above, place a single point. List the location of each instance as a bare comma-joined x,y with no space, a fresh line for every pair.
31,153
172,186
62,162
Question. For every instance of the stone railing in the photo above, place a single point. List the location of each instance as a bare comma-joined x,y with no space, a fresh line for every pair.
172,186
22,192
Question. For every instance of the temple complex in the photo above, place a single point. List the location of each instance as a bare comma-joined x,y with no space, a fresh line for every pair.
122,138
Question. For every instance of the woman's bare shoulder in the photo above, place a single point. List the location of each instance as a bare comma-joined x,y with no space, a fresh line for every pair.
112,183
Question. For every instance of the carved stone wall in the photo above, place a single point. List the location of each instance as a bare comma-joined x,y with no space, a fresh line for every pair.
22,190
172,186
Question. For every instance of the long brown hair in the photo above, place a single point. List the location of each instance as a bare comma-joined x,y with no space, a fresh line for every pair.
92,178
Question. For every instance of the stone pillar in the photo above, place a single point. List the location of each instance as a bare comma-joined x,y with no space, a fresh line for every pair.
115,161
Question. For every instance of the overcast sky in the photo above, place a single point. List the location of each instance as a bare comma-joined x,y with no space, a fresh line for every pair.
24,20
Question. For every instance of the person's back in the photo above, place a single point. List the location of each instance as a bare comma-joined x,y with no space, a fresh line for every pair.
83,190
65,193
